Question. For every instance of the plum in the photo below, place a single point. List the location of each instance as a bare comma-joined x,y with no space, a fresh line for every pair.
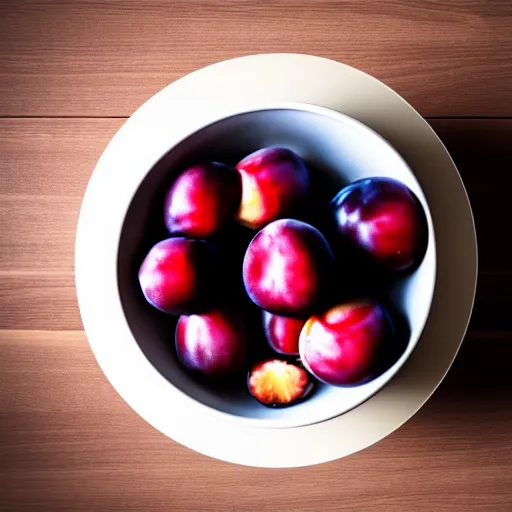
282,333
274,180
278,383
176,275
214,343
286,267
202,200
384,221
342,346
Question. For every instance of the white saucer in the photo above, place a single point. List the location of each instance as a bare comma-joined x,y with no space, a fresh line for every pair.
170,116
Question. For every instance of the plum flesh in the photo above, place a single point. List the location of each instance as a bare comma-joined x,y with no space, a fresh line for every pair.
278,383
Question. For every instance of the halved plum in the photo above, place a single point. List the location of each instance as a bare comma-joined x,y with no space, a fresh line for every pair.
278,383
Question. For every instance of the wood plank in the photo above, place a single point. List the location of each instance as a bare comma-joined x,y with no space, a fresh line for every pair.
39,300
45,165
44,168
482,151
493,302
62,57
51,158
69,442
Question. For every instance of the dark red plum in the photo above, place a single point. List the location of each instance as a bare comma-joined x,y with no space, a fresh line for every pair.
213,344
286,268
274,180
384,220
202,200
342,346
177,274
278,383
282,333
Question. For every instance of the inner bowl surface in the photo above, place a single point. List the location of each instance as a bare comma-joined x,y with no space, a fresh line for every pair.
338,150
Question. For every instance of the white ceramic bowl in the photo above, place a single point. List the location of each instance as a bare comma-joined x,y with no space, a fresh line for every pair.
338,150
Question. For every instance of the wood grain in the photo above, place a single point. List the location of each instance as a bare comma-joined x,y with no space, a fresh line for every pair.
55,456
81,57
45,165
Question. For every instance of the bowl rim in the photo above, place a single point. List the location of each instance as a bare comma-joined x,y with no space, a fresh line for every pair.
359,126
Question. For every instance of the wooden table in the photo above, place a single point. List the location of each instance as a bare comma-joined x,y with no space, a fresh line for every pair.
70,73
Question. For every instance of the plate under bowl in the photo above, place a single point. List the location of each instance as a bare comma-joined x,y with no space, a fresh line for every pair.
178,111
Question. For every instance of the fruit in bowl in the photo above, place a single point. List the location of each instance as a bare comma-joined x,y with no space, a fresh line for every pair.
384,220
286,267
287,271
176,275
213,343
202,200
341,345
274,181
279,383
289,281
282,333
